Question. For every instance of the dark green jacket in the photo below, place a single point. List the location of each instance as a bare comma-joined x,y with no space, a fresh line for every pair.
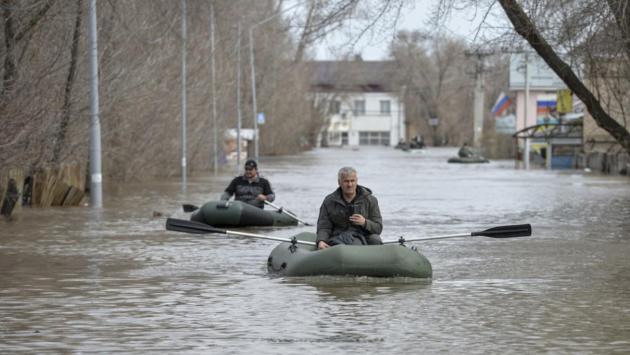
334,214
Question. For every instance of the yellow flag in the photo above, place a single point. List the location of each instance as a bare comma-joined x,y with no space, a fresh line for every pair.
565,101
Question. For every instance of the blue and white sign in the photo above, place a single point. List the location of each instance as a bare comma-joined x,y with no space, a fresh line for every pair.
505,124
260,118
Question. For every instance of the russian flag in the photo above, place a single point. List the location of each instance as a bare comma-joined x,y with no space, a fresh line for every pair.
502,104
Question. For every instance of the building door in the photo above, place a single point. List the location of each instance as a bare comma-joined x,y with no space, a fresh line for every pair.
344,138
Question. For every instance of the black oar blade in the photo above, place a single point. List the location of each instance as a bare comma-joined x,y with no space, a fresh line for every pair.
189,208
181,225
517,230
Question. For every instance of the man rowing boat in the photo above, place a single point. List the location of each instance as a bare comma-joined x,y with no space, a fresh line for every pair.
250,187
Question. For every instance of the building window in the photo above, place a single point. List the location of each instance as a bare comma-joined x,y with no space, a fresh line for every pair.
374,138
359,107
335,107
386,107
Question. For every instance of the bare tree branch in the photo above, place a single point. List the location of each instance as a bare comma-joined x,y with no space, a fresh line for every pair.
621,12
524,27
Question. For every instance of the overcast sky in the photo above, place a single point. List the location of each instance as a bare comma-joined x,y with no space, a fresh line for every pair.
416,16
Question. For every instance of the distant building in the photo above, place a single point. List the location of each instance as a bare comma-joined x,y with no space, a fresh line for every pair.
602,152
541,139
230,138
543,85
360,100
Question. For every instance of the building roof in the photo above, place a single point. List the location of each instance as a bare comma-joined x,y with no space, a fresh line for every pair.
358,75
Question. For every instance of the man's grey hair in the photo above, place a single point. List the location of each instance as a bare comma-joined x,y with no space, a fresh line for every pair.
345,171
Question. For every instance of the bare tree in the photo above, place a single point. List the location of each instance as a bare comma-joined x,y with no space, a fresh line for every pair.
20,19
322,17
45,83
66,110
36,37
433,70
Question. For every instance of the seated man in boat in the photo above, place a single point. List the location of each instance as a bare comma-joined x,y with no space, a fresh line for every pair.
466,152
250,187
349,215
417,142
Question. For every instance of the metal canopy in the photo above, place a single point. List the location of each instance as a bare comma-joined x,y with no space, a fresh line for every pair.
552,134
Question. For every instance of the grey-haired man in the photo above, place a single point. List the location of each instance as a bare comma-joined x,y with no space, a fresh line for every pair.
349,215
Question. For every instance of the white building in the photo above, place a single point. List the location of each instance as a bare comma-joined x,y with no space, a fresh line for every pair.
361,102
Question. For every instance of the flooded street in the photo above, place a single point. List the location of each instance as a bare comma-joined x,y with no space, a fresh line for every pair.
76,280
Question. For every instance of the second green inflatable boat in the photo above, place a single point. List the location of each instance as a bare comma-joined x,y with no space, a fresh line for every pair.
389,260
468,160
239,214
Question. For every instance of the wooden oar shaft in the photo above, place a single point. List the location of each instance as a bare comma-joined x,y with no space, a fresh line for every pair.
512,231
180,225
260,236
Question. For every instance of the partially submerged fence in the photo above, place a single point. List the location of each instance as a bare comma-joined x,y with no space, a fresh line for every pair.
62,185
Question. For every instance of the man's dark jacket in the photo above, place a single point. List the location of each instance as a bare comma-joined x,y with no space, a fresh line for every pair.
335,212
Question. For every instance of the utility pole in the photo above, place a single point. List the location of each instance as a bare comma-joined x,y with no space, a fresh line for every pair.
527,147
238,100
215,146
184,36
479,95
526,78
254,104
96,177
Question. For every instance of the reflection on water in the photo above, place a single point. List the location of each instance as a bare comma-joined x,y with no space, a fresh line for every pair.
359,288
73,280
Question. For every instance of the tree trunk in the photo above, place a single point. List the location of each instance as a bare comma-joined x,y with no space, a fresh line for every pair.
8,79
525,27
305,37
67,98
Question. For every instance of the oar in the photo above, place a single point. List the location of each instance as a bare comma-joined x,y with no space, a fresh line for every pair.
517,230
288,213
182,225
189,208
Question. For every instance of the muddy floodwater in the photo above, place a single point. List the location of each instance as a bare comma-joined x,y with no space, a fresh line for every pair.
75,280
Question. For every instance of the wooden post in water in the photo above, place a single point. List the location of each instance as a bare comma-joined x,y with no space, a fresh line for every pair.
10,187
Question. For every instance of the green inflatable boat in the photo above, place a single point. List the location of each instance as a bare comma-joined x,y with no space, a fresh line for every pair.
239,214
470,160
389,260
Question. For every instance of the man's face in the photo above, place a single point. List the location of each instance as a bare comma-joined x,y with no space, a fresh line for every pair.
250,172
348,183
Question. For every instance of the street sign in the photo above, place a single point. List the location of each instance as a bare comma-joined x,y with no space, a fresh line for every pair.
433,121
260,118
